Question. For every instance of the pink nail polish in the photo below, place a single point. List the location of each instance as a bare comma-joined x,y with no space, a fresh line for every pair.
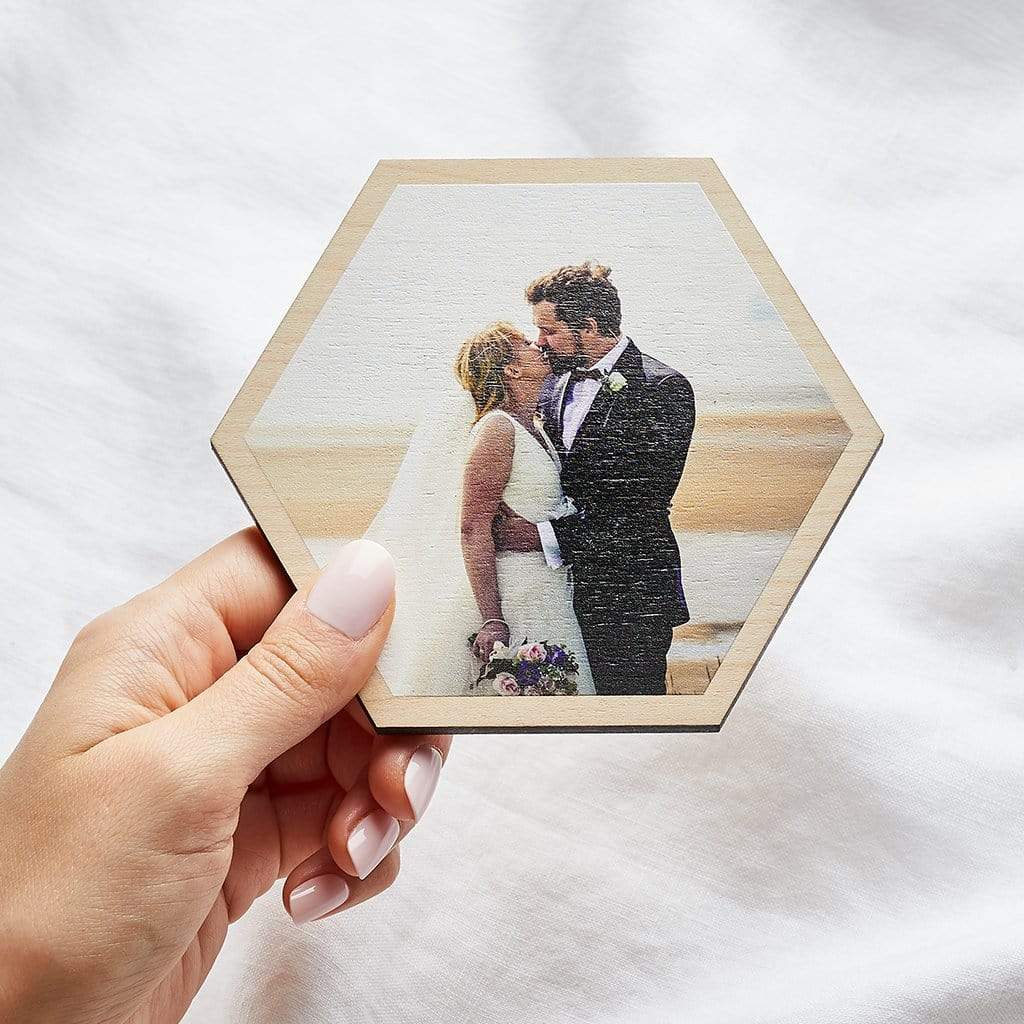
317,897
355,588
371,841
421,775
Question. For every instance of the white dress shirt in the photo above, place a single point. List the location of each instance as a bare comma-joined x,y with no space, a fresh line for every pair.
577,406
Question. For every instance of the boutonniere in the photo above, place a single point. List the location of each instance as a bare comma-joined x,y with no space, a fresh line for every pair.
613,382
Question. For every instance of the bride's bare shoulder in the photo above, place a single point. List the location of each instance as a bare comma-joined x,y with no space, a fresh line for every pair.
494,427
489,463
494,435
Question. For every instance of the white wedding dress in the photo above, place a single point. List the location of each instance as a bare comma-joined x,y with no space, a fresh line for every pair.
536,600
420,524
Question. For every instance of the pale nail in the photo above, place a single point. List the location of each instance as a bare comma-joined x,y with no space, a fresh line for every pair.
317,897
421,775
355,588
371,841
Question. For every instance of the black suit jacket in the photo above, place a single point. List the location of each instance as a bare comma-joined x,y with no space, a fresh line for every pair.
621,473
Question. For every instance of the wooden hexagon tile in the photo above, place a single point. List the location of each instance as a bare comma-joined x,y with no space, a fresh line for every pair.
601,487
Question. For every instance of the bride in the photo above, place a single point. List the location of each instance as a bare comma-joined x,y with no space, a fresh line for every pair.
511,461
476,447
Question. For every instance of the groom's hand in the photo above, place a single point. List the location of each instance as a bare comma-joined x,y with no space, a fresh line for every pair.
513,533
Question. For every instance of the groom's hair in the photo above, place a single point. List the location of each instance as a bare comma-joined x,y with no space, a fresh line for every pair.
579,294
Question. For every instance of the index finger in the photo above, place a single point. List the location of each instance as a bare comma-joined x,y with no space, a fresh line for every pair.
241,581
194,626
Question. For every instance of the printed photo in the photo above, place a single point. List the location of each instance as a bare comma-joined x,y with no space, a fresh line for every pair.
575,419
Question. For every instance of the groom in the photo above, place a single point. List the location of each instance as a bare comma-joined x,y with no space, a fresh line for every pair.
621,422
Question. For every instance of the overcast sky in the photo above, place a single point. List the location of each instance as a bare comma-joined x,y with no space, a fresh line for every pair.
442,261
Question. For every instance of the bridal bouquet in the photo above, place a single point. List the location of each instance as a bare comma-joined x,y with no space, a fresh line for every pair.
533,669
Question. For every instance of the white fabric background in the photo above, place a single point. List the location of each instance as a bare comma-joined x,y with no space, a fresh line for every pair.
848,849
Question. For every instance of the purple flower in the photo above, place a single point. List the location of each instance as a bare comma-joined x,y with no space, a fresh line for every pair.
557,657
527,673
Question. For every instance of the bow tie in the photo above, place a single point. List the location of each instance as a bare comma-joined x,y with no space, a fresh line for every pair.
578,373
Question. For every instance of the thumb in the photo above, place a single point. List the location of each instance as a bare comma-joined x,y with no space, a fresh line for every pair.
315,657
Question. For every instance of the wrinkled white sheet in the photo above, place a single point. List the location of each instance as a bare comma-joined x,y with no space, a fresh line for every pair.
848,849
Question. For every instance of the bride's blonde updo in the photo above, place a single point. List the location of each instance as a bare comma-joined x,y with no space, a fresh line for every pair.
480,366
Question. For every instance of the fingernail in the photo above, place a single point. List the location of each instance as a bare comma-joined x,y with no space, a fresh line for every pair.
421,775
355,588
371,841
317,897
